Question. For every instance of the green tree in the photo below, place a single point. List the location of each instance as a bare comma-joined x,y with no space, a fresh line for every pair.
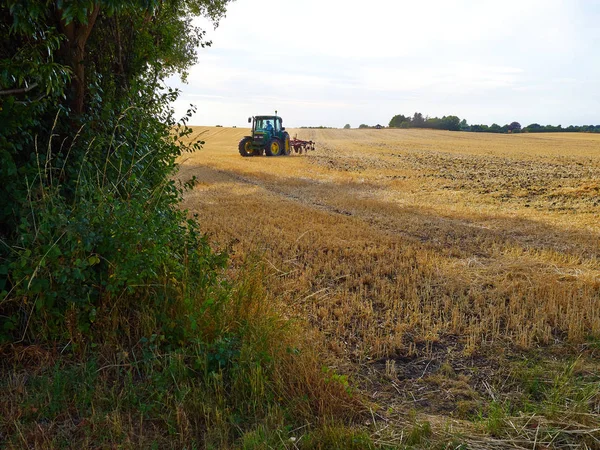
533,128
514,127
88,148
347,126
363,125
495,128
418,121
398,120
451,123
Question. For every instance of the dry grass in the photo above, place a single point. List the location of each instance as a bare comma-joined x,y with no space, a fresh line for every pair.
432,264
390,241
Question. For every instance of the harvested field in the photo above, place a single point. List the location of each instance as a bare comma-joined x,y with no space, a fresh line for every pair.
420,253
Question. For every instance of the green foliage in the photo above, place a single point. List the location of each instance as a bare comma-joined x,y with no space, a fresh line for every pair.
514,127
537,128
90,234
418,121
332,377
399,121
338,438
108,248
234,385
454,123
347,126
143,340
419,434
495,422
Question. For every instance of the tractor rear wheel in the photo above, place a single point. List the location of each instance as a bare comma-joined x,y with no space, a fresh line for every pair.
274,148
245,147
287,149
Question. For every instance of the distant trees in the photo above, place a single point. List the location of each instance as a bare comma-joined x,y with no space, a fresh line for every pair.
537,128
454,123
347,126
363,125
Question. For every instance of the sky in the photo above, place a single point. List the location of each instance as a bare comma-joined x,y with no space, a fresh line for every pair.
333,62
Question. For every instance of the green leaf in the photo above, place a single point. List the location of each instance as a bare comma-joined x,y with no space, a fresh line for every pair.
93,260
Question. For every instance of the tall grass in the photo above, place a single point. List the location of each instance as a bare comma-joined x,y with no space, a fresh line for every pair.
123,327
248,372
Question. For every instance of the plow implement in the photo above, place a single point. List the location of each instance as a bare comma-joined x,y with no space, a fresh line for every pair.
300,146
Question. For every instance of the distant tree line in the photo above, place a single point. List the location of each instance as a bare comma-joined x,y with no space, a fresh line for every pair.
537,128
364,125
454,123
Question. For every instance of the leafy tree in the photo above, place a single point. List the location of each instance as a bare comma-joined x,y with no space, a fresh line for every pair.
451,123
433,122
398,121
495,128
417,121
88,208
514,127
363,125
347,126
533,128
480,128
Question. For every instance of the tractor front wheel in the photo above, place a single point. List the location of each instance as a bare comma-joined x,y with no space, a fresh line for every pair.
274,148
245,147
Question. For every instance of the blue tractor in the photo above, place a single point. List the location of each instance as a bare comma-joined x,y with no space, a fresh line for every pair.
268,136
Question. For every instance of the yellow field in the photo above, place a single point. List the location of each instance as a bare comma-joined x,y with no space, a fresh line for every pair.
421,254
392,240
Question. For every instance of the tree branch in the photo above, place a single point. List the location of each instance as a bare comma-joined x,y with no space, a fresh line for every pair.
18,90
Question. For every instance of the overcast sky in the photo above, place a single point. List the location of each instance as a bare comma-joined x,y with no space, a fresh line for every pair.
332,62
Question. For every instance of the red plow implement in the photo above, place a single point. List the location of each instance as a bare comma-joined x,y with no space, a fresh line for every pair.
300,146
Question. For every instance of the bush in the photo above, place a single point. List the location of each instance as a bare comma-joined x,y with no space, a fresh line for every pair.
96,252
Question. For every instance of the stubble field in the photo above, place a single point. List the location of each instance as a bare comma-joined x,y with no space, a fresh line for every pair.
445,271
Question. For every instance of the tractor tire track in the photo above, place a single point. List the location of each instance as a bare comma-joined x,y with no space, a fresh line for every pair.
432,232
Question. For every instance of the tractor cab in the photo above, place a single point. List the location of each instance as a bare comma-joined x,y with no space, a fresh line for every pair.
273,125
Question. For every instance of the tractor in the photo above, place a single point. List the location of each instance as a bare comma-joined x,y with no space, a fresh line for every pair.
268,136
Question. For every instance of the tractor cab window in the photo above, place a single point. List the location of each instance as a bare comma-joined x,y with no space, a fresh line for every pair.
261,124
265,124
